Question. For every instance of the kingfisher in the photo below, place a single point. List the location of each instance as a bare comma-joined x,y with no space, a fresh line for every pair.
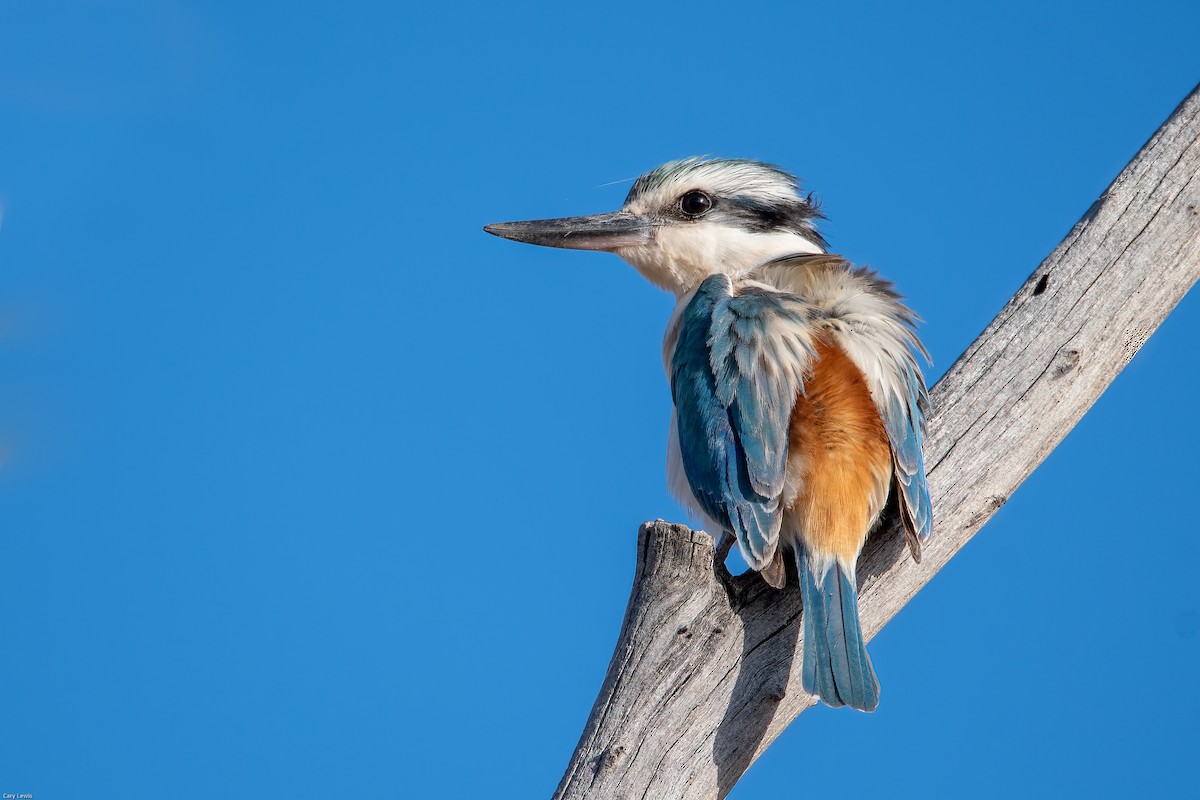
799,401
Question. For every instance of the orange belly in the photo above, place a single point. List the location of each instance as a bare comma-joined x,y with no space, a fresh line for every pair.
839,458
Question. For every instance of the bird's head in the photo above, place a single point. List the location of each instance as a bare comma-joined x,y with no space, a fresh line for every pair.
690,219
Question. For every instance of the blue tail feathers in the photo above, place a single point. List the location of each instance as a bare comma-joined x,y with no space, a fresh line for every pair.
836,665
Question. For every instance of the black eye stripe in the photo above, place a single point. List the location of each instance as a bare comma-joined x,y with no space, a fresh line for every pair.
764,213
768,216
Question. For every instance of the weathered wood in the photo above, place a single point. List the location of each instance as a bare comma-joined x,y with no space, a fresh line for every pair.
704,676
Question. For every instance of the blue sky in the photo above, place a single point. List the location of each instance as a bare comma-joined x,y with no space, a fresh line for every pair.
310,488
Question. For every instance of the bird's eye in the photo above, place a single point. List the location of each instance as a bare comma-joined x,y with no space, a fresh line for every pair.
695,204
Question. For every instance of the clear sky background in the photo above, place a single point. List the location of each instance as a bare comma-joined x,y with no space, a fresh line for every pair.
312,489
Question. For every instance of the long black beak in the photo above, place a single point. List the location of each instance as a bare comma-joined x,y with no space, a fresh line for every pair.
594,232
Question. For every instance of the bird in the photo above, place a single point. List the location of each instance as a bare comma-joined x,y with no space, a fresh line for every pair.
799,400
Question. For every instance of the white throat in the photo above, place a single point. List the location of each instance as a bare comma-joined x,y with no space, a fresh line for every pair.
681,256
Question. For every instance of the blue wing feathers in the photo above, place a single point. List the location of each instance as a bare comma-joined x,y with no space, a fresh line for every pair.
732,431
766,454
905,427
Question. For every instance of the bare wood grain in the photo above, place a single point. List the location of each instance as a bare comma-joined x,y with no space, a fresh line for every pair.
704,676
